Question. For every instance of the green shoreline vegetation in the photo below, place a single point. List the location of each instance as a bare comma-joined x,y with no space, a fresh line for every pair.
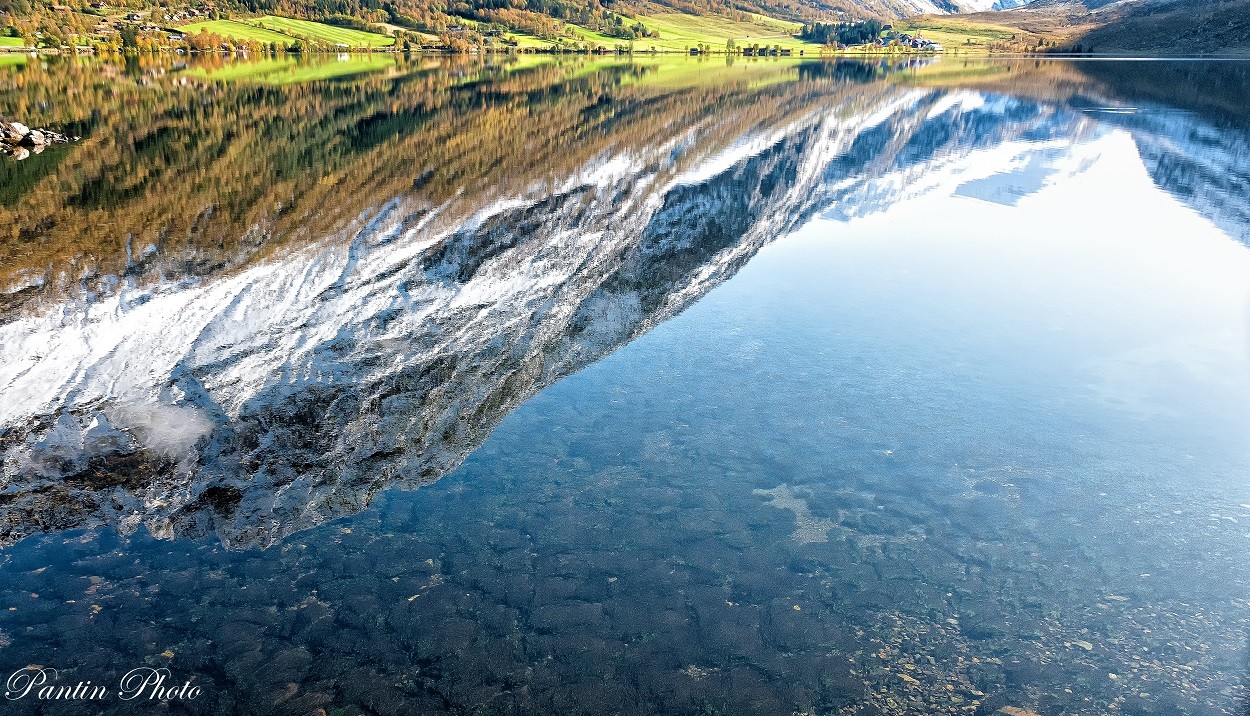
101,28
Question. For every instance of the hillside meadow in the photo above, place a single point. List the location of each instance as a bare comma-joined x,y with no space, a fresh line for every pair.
284,31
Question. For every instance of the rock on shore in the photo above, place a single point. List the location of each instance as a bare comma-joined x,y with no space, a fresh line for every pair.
20,141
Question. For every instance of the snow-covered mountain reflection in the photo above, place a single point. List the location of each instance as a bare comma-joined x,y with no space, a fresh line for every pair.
260,403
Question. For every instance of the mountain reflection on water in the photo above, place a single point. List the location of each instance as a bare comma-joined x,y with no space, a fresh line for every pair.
244,310
489,244
240,309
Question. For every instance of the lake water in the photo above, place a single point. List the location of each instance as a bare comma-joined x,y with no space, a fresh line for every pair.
903,387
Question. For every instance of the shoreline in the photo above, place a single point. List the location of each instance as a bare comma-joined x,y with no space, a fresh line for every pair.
842,54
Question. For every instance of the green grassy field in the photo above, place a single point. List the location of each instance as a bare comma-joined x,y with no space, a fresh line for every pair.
285,31
425,36
786,25
529,42
236,30
322,32
705,28
680,31
966,36
12,42
583,35
291,71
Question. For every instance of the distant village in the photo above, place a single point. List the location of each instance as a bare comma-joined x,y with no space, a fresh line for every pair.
110,22
188,15
890,37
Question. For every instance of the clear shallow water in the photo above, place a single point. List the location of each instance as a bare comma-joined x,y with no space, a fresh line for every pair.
964,428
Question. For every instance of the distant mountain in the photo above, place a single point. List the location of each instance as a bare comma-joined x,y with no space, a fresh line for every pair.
1150,27
1073,5
980,5
1175,26
909,8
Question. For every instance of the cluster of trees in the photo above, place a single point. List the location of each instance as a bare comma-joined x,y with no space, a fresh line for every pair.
367,23
614,25
842,33
501,21
39,23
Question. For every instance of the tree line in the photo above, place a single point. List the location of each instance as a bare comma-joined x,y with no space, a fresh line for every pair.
842,33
